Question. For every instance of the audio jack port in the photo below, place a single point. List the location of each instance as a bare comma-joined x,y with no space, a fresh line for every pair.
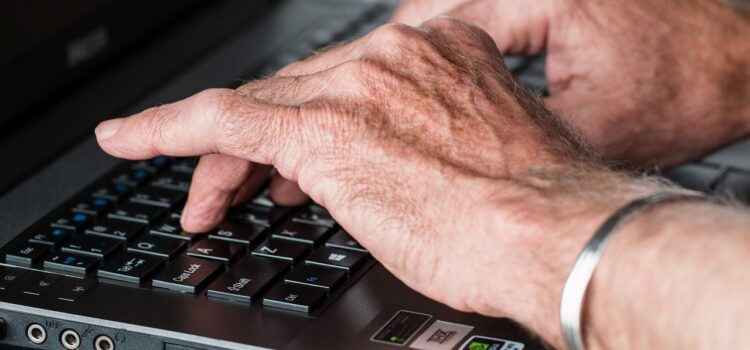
104,342
70,339
36,333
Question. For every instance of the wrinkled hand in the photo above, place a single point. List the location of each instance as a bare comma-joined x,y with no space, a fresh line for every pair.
651,82
421,145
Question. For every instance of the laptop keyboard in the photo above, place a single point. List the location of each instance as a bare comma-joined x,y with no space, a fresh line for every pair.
125,229
725,172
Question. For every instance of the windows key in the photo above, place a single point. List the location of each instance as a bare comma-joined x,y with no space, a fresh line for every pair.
346,260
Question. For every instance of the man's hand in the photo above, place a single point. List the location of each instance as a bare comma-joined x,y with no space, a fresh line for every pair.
650,82
418,142
421,145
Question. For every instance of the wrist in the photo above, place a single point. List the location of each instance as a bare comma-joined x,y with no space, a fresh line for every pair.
662,285
554,222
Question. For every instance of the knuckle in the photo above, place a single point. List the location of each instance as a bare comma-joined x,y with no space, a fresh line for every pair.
403,44
215,105
393,35
445,22
461,30
160,126
220,110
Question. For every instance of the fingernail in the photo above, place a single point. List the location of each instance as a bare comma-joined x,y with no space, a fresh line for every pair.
108,128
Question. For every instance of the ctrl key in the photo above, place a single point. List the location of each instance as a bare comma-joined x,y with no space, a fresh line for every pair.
187,275
297,298
9,275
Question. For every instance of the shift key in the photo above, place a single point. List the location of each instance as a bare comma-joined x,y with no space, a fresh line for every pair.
187,275
248,277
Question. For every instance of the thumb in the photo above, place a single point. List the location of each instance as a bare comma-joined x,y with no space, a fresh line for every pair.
518,27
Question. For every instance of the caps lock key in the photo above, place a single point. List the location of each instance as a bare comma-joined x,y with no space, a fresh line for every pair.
187,275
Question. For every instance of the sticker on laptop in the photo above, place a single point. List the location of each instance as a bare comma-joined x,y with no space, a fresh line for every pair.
400,328
486,343
441,335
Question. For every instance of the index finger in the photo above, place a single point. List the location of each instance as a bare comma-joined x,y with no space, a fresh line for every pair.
212,121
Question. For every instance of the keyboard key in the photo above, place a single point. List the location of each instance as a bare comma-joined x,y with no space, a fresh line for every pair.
173,181
129,267
245,279
314,215
171,228
695,176
236,233
735,184
91,246
152,166
50,236
263,199
9,275
342,240
176,212
80,265
93,206
136,212
76,288
132,178
316,277
27,254
113,192
187,275
259,216
75,221
185,165
158,246
116,229
42,284
295,297
281,250
158,197
300,233
336,258
215,250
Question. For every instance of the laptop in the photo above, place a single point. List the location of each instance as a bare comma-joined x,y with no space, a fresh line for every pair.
91,253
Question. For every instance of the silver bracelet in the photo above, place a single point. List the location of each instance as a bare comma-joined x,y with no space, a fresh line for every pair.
574,292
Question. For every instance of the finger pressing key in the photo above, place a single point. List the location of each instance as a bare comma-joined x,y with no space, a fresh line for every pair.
215,183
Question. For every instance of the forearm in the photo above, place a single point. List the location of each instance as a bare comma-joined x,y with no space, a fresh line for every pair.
674,278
